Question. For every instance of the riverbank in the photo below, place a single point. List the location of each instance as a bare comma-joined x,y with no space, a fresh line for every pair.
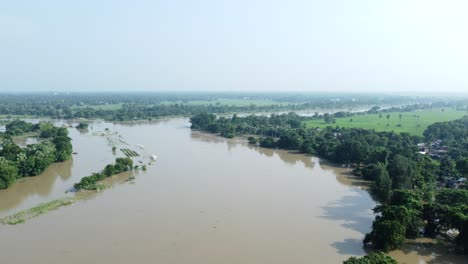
351,146
219,201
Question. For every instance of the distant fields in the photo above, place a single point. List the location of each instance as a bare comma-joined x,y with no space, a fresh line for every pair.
235,102
220,101
411,122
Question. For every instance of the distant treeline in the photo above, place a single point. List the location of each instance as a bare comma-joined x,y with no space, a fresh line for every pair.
403,181
17,162
141,106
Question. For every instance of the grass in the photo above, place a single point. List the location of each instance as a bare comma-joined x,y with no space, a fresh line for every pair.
411,122
95,187
43,208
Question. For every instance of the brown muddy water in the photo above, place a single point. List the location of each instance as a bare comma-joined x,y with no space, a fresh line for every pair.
205,200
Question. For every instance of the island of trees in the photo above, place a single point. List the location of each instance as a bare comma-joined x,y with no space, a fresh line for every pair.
413,187
17,162
91,182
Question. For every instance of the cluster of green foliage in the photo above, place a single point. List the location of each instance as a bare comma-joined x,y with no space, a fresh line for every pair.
17,162
18,127
372,258
90,182
454,135
403,180
398,219
82,125
449,211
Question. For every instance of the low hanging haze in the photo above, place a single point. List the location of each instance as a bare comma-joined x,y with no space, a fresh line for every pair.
242,45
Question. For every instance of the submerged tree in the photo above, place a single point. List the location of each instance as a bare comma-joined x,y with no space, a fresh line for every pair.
372,258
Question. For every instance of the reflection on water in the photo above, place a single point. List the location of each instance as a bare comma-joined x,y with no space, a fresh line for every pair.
206,200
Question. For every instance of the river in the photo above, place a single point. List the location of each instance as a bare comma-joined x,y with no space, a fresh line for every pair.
205,200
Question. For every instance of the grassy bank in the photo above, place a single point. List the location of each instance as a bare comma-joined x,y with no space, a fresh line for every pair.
410,122
40,209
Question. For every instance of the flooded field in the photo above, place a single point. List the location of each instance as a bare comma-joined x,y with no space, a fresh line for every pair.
205,200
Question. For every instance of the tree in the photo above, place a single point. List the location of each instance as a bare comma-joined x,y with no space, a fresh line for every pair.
123,164
252,140
8,174
36,158
18,127
109,170
10,150
202,121
386,235
402,171
382,186
447,167
267,142
47,130
63,148
379,154
290,140
462,166
82,125
308,146
329,118
372,258
409,218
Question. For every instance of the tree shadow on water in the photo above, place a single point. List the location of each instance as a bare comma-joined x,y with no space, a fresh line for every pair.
354,210
349,246
355,213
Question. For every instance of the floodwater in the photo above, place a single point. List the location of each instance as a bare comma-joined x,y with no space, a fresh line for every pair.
205,200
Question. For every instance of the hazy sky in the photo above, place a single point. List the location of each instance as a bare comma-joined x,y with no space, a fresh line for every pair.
292,45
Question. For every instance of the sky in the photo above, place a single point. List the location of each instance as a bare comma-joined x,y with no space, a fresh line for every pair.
239,45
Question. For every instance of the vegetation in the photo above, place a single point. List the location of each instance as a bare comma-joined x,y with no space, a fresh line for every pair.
372,258
90,182
86,183
22,216
403,180
82,125
33,159
142,106
129,153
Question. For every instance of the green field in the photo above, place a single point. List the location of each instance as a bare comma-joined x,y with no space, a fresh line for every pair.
411,122
235,102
